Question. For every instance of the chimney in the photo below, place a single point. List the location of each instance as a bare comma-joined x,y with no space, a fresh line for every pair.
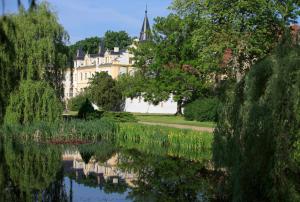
116,49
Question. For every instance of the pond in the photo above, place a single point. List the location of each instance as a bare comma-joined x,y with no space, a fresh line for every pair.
104,171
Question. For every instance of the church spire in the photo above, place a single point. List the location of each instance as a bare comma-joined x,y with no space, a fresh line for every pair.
146,30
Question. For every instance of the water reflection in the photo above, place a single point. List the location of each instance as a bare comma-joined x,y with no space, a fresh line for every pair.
98,172
30,172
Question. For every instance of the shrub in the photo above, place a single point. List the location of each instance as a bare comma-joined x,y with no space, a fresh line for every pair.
75,103
33,101
120,116
88,112
202,110
105,92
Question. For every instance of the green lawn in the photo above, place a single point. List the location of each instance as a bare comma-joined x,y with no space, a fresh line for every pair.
171,119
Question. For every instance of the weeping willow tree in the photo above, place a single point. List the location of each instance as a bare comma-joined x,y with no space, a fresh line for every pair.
34,101
257,138
33,46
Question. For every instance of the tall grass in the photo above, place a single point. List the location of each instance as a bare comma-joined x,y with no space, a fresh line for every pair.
166,141
76,129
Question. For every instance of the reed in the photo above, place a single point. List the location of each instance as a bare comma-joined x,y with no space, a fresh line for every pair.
94,130
190,144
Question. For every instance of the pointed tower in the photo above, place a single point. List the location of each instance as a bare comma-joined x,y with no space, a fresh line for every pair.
146,30
79,54
101,50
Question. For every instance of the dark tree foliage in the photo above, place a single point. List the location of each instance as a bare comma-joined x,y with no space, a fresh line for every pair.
119,39
32,47
8,72
203,109
75,103
258,135
88,112
105,92
89,45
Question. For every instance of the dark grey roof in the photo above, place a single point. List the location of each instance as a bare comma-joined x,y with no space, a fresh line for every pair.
96,55
146,29
80,54
101,50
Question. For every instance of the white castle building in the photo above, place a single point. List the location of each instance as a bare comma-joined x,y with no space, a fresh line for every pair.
115,62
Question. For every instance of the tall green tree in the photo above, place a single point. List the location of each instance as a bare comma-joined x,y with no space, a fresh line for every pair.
105,92
119,39
36,41
249,29
257,137
89,45
167,63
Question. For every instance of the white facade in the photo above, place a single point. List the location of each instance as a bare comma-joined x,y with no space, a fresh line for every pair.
138,105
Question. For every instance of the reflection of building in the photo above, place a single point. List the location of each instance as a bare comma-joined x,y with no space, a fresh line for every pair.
108,170
115,62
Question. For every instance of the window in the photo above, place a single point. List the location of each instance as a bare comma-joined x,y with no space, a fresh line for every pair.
85,76
80,76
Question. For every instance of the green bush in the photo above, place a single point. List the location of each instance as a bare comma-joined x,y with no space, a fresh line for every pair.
75,103
120,116
105,92
34,101
202,110
88,112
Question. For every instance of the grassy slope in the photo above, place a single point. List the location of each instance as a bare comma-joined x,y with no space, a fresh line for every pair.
171,119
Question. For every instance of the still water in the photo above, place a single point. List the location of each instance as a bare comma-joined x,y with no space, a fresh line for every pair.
99,172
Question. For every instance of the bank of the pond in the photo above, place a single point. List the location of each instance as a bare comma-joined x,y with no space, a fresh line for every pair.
167,141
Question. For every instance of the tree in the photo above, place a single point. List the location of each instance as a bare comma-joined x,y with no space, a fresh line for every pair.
119,39
257,137
167,63
33,48
105,92
33,101
247,30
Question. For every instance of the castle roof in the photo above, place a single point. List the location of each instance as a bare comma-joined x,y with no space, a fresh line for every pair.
79,54
146,30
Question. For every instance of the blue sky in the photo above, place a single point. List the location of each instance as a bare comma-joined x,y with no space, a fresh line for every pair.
86,18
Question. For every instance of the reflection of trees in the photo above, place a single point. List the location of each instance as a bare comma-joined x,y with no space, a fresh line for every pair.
167,178
35,172
102,151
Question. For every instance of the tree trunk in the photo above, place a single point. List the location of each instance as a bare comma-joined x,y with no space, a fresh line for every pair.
179,108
